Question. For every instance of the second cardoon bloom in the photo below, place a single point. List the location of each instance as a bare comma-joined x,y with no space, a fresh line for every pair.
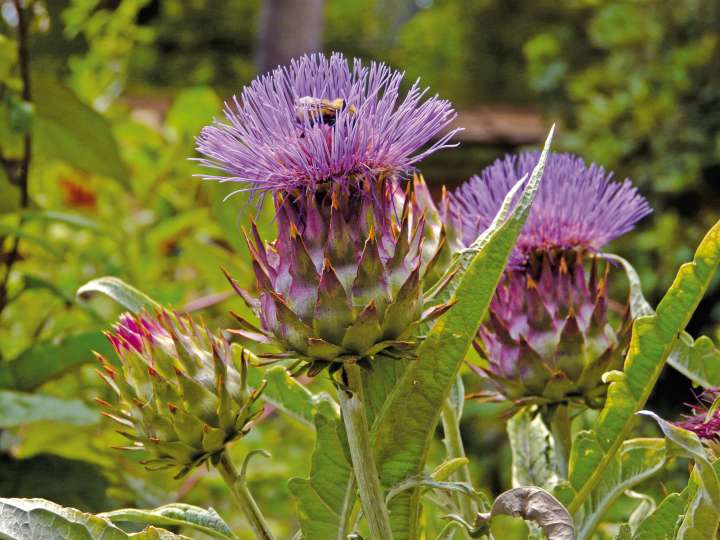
550,335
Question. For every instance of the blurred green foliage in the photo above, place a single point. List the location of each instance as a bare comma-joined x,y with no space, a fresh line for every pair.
120,88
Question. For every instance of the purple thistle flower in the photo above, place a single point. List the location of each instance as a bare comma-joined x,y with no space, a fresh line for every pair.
705,426
578,206
320,120
550,336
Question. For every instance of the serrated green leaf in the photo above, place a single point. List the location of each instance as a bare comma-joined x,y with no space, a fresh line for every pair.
44,362
326,498
17,408
637,460
661,524
690,445
653,338
701,515
207,521
66,129
405,431
532,450
698,360
38,519
126,295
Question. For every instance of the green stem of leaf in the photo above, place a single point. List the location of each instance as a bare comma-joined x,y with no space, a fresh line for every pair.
455,449
361,453
243,497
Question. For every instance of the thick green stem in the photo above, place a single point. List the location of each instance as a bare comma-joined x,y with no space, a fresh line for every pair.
455,449
244,498
358,435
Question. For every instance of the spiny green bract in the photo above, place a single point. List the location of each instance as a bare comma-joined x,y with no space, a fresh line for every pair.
343,282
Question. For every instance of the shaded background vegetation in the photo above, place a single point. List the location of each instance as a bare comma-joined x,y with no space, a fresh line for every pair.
120,88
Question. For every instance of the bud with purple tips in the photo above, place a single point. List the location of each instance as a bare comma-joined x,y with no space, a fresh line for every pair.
181,397
550,337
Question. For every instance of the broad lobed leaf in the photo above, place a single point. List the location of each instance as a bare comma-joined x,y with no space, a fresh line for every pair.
653,338
38,519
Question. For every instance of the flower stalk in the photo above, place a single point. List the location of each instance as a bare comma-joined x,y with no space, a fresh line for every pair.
243,497
358,435
455,449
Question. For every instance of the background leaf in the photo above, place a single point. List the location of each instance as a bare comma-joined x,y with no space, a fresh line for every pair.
17,408
68,130
44,362
68,482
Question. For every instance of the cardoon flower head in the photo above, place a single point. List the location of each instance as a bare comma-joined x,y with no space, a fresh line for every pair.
320,120
342,282
549,337
330,143
180,396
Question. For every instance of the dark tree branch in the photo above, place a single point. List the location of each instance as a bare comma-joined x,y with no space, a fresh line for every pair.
21,175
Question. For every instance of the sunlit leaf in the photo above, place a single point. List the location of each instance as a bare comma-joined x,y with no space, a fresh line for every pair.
698,360
126,295
637,460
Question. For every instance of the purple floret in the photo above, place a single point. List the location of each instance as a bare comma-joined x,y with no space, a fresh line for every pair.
699,422
322,120
578,206
130,332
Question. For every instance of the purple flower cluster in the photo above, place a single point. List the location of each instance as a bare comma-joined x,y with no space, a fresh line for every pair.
320,120
578,206
705,426
548,337
130,333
